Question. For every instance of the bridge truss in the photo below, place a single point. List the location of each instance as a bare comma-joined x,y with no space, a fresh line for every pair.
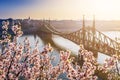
91,38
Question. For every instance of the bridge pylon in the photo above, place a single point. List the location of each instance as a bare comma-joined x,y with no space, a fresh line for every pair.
83,30
93,31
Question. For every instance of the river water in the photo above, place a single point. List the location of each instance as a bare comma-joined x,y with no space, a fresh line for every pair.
66,44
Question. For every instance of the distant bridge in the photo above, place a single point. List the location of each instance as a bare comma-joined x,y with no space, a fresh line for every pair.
92,39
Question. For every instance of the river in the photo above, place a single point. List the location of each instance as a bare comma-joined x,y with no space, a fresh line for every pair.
66,44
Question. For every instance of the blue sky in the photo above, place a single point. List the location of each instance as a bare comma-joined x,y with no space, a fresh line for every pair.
60,9
10,8
9,5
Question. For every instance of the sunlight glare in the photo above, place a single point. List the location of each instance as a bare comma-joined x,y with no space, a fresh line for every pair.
107,8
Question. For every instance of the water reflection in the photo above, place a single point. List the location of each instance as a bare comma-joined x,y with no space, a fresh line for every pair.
65,44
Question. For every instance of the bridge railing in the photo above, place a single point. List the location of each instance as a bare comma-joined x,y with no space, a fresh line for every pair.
108,41
99,44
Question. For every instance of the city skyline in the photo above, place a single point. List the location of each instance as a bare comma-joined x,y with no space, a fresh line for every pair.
60,9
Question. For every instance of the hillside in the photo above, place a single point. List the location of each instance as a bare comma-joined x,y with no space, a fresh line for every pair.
66,25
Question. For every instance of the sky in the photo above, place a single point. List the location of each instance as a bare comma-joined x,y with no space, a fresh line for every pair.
60,9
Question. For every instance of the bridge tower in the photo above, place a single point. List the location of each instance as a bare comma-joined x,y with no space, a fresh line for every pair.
93,44
83,30
93,31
